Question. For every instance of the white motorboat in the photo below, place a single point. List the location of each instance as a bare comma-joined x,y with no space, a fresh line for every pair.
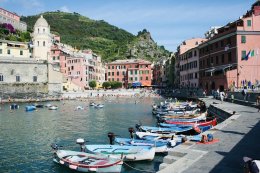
79,108
53,107
99,106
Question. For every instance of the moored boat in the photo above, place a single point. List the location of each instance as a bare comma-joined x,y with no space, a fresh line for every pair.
14,106
170,124
159,145
30,108
86,162
126,153
53,107
99,106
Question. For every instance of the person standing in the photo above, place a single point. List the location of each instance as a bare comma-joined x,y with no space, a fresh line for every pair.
222,95
258,102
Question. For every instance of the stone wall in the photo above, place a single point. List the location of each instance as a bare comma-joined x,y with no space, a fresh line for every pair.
23,90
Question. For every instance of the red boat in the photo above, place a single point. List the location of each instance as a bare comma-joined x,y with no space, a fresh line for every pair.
199,123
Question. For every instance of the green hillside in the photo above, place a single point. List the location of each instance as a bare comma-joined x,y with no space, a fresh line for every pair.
81,32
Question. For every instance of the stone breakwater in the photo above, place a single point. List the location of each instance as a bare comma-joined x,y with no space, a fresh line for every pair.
110,93
89,94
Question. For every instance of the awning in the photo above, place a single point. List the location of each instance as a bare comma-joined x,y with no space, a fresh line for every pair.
219,68
136,84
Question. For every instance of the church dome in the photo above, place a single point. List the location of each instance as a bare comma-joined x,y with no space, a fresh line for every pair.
41,22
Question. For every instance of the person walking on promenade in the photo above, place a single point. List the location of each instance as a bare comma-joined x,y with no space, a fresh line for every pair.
222,96
258,102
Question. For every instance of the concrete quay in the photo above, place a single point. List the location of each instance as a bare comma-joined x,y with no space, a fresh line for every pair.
239,136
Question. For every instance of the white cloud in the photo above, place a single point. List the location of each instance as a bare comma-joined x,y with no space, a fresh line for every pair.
64,9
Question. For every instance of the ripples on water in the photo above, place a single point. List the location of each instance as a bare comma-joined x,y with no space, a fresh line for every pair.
26,136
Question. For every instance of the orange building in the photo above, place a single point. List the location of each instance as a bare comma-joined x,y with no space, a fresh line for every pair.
129,72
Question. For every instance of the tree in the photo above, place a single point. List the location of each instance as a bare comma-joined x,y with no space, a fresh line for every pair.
92,84
106,84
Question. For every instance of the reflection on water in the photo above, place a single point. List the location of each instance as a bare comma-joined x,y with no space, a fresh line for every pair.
26,136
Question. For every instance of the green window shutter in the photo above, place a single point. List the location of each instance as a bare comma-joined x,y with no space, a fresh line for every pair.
243,54
249,23
243,39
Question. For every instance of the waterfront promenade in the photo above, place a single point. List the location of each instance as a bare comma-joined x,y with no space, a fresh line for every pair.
239,136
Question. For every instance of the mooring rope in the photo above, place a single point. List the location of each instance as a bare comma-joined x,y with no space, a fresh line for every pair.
138,169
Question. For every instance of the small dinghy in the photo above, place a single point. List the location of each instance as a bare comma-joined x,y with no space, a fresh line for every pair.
99,106
200,123
92,104
79,108
38,105
53,107
14,106
86,162
30,108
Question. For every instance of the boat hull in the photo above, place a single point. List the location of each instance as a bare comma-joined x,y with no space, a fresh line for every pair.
126,153
85,162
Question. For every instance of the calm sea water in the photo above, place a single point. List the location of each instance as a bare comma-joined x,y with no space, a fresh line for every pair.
25,137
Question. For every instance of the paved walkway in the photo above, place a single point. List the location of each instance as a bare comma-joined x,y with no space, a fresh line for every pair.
239,136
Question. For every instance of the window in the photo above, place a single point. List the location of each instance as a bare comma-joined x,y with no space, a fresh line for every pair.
108,73
229,57
117,79
38,43
243,39
135,71
117,73
211,60
141,78
136,79
222,43
18,79
249,23
131,71
109,67
222,58
113,73
195,53
8,51
146,78
216,59
243,54
123,73
21,52
1,77
43,43
112,67
216,45
34,78
196,75
131,79
113,79
43,30
1,51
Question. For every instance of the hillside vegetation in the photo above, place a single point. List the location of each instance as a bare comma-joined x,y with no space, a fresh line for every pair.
104,39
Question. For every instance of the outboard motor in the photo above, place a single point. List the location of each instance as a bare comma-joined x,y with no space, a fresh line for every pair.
137,126
81,142
131,131
171,143
111,137
54,147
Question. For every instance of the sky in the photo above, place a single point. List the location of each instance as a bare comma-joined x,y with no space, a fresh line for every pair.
170,22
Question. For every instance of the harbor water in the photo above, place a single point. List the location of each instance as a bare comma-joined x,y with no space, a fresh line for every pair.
26,136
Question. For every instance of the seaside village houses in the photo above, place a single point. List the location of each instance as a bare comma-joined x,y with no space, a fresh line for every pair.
44,66
228,58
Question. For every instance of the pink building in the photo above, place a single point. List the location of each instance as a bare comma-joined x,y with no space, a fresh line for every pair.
186,64
13,19
232,57
129,71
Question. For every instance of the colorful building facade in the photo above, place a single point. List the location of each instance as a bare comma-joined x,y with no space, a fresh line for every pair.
13,19
231,58
130,71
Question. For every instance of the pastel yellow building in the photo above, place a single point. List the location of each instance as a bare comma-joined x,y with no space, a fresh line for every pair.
14,49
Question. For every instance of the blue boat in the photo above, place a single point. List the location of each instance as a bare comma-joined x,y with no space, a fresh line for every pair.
126,153
30,108
174,129
159,145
